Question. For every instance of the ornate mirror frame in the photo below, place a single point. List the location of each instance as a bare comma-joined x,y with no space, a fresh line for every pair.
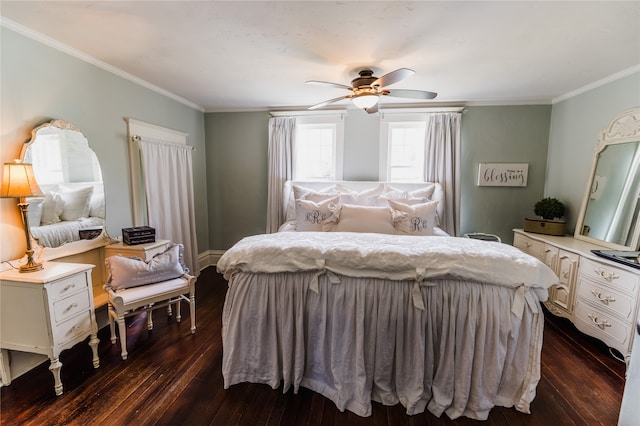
78,246
623,129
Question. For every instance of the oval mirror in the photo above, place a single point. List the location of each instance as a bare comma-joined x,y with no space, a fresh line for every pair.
68,172
610,213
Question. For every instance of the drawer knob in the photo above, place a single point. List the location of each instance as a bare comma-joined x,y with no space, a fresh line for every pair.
68,287
70,307
602,324
606,299
609,276
73,329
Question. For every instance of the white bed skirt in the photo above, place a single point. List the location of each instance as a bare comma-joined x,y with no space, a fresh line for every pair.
363,339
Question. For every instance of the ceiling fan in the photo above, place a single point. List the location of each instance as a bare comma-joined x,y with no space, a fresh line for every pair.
366,89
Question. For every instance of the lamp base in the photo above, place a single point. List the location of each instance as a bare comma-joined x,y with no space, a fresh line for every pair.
31,267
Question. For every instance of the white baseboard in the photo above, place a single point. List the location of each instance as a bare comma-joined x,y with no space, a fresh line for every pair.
209,258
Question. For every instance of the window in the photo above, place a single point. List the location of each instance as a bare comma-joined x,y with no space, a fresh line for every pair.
317,152
402,147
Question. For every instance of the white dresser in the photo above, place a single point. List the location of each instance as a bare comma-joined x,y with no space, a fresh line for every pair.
599,296
46,312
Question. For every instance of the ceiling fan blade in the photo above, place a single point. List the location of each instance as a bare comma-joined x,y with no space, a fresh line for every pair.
326,83
373,109
330,101
393,77
412,94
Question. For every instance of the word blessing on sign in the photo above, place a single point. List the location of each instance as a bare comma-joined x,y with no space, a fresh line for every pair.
503,174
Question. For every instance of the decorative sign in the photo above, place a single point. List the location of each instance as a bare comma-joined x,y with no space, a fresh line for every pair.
503,174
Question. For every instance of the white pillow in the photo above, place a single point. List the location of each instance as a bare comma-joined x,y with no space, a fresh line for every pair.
302,193
34,214
96,206
426,192
52,208
362,198
351,218
310,215
417,219
125,272
76,203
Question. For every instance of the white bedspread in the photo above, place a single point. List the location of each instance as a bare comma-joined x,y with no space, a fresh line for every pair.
395,257
393,319
56,234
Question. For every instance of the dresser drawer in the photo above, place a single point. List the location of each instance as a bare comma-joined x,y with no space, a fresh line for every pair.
73,330
70,285
609,275
70,306
529,246
607,299
599,324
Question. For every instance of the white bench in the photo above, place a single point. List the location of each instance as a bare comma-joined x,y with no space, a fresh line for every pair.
126,302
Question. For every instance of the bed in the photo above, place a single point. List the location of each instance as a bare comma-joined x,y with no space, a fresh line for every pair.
434,322
58,216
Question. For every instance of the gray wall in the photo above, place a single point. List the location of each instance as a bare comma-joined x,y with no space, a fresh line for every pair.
40,83
501,134
237,151
575,126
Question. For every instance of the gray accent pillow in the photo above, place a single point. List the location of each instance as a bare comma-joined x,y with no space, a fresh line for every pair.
125,272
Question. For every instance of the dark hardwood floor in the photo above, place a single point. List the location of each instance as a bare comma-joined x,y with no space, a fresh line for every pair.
173,377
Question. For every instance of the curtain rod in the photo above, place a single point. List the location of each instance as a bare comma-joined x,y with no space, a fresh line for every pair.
137,138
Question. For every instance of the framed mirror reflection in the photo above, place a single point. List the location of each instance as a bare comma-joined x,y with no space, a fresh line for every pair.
68,172
610,213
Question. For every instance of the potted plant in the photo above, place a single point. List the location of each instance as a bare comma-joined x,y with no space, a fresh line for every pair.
548,210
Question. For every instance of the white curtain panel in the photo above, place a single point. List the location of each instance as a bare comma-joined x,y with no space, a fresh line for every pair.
442,164
282,132
168,176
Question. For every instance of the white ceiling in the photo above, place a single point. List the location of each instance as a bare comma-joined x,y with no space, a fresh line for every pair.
231,56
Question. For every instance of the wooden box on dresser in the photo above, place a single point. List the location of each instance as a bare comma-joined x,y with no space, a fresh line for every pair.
600,297
46,312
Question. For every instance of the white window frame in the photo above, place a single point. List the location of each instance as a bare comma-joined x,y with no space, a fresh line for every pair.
386,120
336,121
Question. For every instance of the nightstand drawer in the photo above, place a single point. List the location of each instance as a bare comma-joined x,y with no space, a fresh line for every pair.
68,286
76,328
609,275
607,299
70,306
599,324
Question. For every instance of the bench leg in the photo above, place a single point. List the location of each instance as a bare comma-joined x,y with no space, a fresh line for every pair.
178,316
192,310
150,318
122,329
112,326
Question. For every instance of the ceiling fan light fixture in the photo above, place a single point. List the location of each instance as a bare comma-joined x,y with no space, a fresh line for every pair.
365,101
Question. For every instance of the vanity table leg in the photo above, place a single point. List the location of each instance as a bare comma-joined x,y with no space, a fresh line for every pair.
5,367
93,342
55,367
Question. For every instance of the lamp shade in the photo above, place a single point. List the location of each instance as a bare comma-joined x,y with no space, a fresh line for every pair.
365,101
18,181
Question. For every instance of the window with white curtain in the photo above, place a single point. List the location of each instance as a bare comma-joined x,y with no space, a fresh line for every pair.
402,144
318,147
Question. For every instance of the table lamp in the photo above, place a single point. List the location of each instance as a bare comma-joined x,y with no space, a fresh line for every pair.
18,181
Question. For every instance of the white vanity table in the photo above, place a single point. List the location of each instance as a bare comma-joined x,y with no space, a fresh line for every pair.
599,296
46,312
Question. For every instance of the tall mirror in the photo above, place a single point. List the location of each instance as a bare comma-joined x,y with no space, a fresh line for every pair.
610,213
67,170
